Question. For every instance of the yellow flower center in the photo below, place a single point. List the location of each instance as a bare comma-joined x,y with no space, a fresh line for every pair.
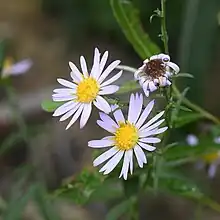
209,158
87,90
8,62
126,136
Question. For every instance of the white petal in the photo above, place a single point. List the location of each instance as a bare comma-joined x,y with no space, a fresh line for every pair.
106,126
174,67
131,160
145,114
108,90
112,163
64,108
151,140
75,73
85,114
95,72
103,61
153,126
75,116
100,143
155,118
66,83
138,156
137,74
146,61
70,113
164,57
102,104
62,98
108,138
108,120
113,79
143,133
141,154
84,66
119,117
146,146
64,91
126,162
152,87
108,70
154,57
168,83
105,156
135,107
162,81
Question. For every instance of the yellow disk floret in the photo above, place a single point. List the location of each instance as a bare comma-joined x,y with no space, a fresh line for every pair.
87,90
126,136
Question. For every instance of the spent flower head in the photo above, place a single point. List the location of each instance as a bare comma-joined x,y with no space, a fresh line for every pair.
128,137
155,72
86,88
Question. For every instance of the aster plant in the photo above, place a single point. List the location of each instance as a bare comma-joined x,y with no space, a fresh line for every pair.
139,154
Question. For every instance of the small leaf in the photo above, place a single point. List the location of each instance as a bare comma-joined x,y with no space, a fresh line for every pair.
129,86
186,75
50,106
187,118
117,211
184,108
128,18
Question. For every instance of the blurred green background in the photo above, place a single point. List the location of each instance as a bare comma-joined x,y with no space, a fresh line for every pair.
52,32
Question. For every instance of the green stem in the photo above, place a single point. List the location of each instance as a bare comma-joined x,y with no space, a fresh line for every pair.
195,107
164,35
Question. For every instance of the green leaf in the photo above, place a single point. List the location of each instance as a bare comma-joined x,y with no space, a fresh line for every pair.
50,106
184,108
186,75
117,211
186,118
17,204
44,205
128,19
127,87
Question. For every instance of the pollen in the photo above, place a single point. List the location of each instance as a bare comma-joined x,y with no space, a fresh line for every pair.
155,68
126,136
87,90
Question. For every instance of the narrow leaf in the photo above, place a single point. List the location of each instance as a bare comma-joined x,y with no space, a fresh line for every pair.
128,18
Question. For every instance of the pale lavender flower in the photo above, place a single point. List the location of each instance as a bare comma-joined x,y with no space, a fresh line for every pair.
128,137
21,67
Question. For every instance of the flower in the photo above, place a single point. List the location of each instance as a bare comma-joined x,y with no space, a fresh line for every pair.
192,140
86,89
210,159
155,72
15,69
128,137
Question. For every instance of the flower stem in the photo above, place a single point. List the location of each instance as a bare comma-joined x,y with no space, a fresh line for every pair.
164,35
195,107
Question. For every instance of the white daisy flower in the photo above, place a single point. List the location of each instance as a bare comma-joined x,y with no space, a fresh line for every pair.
128,137
86,89
217,140
192,140
10,68
155,72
